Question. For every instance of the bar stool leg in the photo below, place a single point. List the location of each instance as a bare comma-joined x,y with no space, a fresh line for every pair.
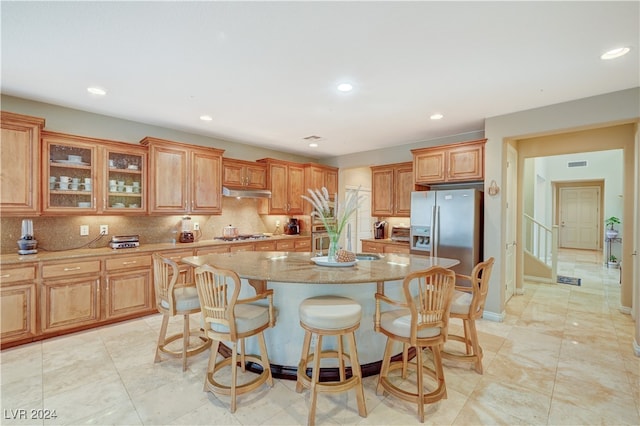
355,369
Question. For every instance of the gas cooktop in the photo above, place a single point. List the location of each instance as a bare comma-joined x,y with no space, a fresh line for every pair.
244,237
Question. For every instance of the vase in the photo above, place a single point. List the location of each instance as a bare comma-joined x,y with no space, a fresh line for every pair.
333,248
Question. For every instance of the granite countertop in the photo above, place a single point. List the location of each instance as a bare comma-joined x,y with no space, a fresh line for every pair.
42,255
292,267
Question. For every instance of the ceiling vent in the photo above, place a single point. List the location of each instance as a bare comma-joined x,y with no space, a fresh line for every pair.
577,163
312,138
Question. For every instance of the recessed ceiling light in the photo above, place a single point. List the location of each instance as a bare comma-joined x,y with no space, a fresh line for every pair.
313,145
96,91
206,118
615,53
437,116
345,87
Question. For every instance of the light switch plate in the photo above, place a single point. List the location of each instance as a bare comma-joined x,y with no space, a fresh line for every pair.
84,230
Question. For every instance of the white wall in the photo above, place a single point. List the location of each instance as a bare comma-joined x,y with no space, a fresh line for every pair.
617,107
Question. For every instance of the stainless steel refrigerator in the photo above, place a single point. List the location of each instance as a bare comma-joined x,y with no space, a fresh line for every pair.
448,223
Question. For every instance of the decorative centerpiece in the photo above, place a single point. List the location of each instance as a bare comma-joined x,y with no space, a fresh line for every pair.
334,220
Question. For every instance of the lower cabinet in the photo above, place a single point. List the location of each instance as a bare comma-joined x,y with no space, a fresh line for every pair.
70,302
18,303
186,272
128,286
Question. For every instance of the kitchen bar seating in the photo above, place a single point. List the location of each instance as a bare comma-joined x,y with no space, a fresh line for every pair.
468,305
173,299
330,316
229,319
420,322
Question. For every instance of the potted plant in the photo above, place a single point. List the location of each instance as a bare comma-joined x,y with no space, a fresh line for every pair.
613,261
611,232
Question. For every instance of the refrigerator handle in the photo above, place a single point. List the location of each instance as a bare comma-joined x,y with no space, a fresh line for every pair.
434,230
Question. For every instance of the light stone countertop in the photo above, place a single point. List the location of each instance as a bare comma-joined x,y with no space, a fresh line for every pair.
42,255
293,267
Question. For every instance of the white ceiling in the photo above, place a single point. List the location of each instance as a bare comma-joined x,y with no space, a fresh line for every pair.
267,71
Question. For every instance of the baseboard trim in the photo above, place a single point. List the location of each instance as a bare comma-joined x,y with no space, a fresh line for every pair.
625,310
492,316
538,279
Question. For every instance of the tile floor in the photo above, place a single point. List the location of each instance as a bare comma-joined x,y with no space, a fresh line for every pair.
563,355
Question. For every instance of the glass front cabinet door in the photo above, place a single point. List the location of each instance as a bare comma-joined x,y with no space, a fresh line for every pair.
70,173
125,181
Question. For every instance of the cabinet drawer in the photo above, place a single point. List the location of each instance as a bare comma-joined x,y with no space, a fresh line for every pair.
285,245
368,247
265,246
303,245
177,256
67,269
212,250
390,248
129,262
12,275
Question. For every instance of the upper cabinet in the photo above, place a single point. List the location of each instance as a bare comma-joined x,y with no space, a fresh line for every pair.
20,164
240,174
392,185
92,176
184,178
317,176
461,162
286,182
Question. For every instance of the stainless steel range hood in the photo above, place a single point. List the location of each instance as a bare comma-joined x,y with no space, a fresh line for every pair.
246,193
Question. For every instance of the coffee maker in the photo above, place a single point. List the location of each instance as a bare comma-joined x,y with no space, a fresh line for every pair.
293,227
379,229
186,236
27,244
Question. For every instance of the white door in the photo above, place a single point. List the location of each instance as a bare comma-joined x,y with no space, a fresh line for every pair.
580,217
361,222
511,222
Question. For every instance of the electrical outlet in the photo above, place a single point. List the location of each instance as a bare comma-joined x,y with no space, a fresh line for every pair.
84,230
196,226
104,229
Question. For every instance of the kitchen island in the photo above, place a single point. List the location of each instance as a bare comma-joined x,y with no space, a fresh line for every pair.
295,277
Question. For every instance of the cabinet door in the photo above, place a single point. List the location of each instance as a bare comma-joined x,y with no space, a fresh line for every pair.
256,176
125,182
128,293
18,311
303,245
233,174
278,203
403,182
20,164
331,182
382,197
70,171
316,178
429,167
70,303
466,163
296,189
206,183
168,182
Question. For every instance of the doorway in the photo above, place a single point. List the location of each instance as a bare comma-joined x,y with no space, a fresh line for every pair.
360,223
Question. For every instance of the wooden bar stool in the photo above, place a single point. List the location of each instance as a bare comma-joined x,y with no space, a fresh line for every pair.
330,316
173,299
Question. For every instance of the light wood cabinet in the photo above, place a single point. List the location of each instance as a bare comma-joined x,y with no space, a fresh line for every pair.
461,162
317,176
20,164
265,246
240,174
286,182
186,271
212,250
18,303
128,286
384,247
70,295
303,244
124,181
184,178
392,185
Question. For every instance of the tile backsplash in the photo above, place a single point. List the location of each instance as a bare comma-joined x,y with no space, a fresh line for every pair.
55,233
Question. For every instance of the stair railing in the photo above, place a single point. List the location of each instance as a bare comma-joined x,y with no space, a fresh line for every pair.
541,242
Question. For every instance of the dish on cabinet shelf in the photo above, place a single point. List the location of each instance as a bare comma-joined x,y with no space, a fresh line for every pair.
73,163
324,261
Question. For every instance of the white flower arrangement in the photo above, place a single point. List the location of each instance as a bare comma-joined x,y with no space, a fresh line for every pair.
321,204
